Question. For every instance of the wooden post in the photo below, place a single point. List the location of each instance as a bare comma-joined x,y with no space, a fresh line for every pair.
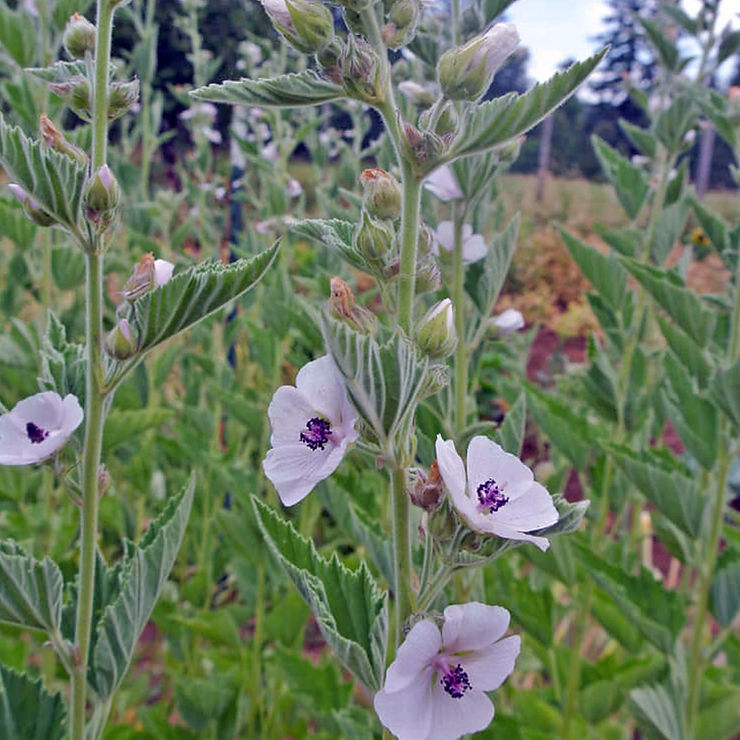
704,166
543,164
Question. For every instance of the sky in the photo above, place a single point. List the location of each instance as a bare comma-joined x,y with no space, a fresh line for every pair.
555,30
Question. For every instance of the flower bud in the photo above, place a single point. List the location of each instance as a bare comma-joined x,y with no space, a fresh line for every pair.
101,198
373,239
342,306
76,94
79,36
425,241
466,72
403,19
446,123
123,97
422,148
31,208
54,139
427,490
148,274
121,342
382,196
329,58
306,24
364,75
435,333
428,277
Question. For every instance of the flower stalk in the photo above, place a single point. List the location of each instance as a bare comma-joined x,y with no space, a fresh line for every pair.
460,383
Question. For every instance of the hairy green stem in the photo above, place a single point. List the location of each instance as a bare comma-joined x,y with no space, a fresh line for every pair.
100,84
458,302
402,569
409,240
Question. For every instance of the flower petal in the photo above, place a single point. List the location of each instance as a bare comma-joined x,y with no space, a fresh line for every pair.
453,473
320,382
421,646
473,626
474,248
531,510
453,718
487,669
487,460
289,411
72,414
508,533
408,713
445,235
294,470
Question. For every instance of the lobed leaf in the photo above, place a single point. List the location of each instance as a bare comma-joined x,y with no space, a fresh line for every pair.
27,710
333,234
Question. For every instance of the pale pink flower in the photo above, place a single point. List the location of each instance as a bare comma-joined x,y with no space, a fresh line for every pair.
473,248
509,321
162,272
443,184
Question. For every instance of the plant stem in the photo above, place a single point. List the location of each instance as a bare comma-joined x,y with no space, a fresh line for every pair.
409,239
95,394
458,302
404,597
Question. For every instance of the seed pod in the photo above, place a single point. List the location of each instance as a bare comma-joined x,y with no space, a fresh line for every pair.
123,97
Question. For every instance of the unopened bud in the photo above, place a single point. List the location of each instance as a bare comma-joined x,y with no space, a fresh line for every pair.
435,333
103,480
403,18
329,58
101,199
373,239
79,37
466,72
306,24
121,342
343,306
147,275
76,94
426,240
382,196
123,97
428,490
446,122
31,208
428,277
422,148
364,75
53,139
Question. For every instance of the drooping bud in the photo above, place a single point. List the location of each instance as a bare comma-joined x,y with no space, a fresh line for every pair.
123,97
365,77
79,36
53,139
382,196
435,333
101,198
148,274
403,19
121,342
343,306
31,208
306,24
466,72
76,94
373,240
427,491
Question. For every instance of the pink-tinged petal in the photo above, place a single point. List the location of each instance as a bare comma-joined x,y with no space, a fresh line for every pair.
408,713
162,272
445,235
531,510
474,249
453,473
454,718
487,669
294,470
489,461
473,626
443,184
419,649
467,232
43,409
289,411
501,530
72,414
320,382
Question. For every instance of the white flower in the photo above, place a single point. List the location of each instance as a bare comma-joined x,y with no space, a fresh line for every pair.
500,495
37,427
473,249
162,272
498,43
509,321
443,184
312,426
434,688
293,188
279,13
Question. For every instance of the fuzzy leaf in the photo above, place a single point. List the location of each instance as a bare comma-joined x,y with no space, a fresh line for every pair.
352,613
143,574
192,295
27,710
333,234
658,709
17,35
687,351
667,51
54,180
30,590
725,389
489,124
121,426
629,181
725,595
283,91
15,225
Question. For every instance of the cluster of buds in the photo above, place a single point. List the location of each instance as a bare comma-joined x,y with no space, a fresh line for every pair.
435,332
54,140
403,19
466,72
422,148
343,307
79,37
363,73
101,199
31,208
305,24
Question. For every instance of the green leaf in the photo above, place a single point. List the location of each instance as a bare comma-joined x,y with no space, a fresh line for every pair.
142,575
27,711
670,490
62,362
725,594
725,390
67,267
667,51
682,304
511,433
15,225
680,16
719,712
625,240
669,228
715,227
728,46
603,271
641,138
17,35
54,180
629,181
30,590
492,9
121,426
687,351
352,613
489,124
283,91
192,295
333,234
485,278
674,123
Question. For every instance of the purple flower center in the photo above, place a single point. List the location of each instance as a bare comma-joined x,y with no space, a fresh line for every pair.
316,433
491,496
36,434
455,682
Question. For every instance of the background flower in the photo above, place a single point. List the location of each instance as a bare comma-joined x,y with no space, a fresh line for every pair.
474,246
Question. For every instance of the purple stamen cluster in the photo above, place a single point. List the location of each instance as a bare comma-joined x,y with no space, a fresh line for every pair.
455,682
316,433
35,433
491,496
